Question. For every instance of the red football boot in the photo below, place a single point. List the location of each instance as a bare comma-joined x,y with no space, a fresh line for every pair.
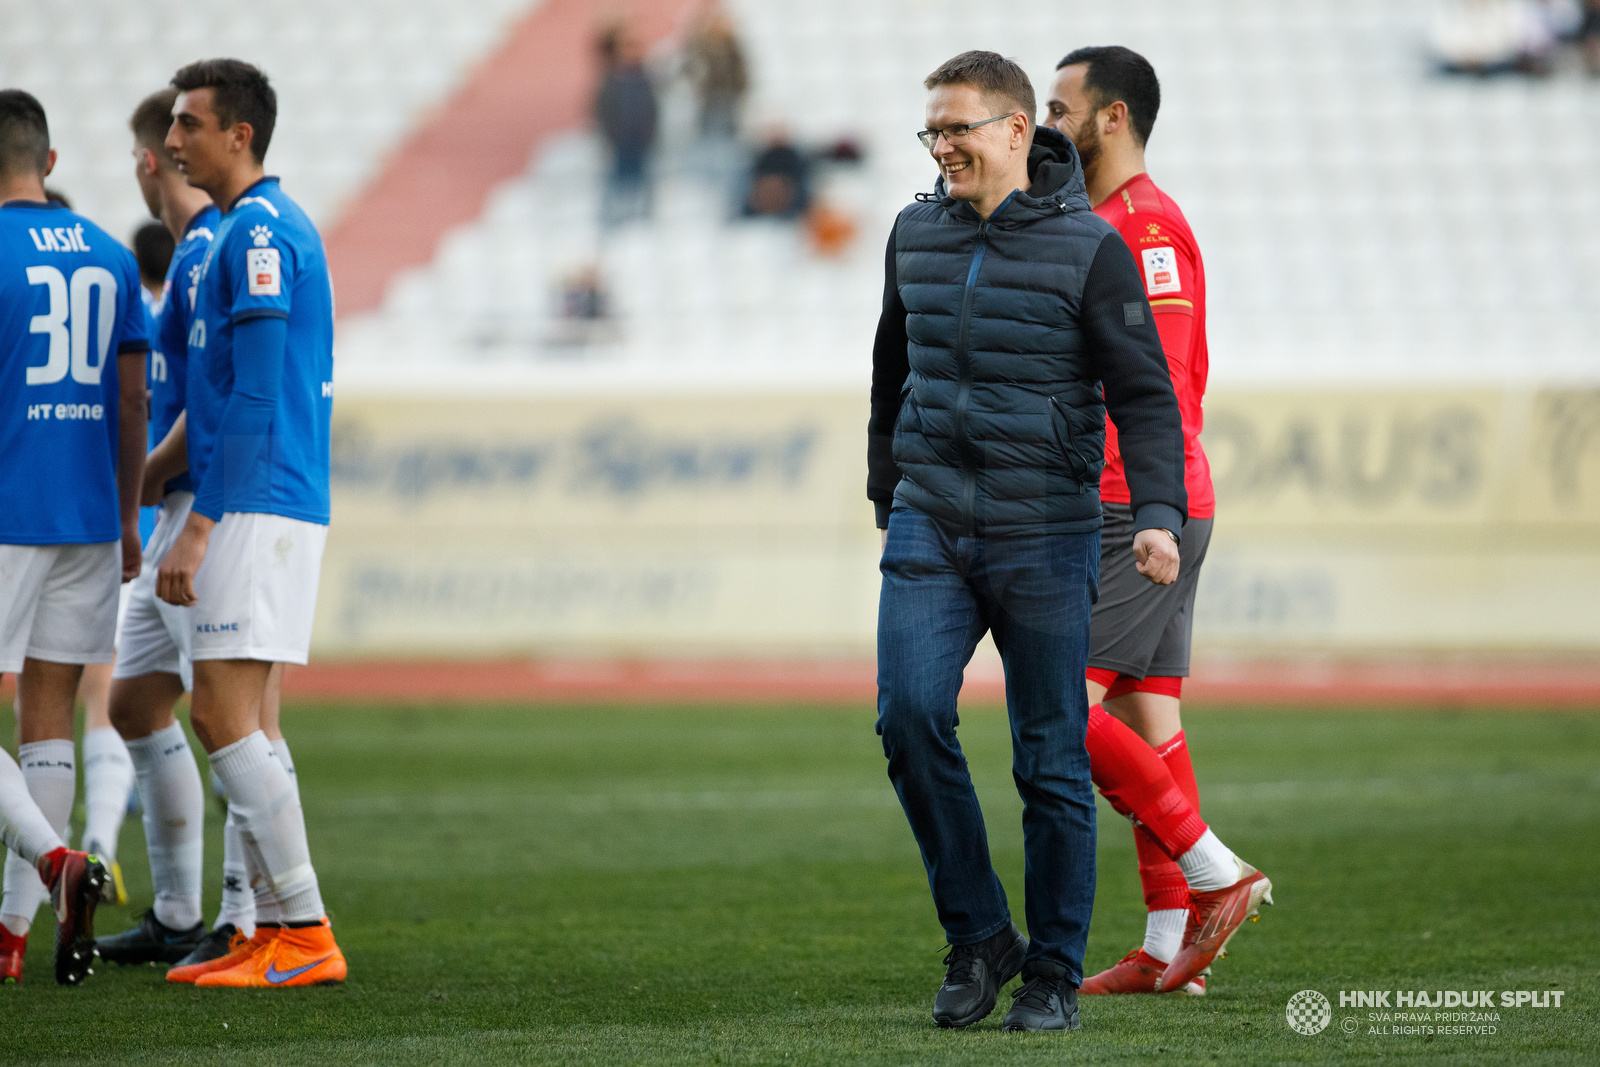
1214,917
76,881
1137,972
12,949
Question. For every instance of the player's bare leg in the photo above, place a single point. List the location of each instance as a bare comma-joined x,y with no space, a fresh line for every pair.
1153,716
107,776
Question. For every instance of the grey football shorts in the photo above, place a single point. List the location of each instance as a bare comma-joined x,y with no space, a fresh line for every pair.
1138,628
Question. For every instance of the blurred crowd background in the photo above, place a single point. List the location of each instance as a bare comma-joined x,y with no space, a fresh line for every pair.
643,206
1382,189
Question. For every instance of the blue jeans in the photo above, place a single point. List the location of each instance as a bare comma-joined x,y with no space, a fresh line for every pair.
940,594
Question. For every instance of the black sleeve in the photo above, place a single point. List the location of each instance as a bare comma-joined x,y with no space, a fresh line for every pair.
1139,397
890,368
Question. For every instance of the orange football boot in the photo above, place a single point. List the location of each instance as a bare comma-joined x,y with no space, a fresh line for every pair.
12,950
305,955
240,948
1137,972
1214,917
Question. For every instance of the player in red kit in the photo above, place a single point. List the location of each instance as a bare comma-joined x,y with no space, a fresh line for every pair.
1196,890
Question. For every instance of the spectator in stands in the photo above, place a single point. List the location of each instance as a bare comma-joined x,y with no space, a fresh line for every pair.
780,179
713,61
1589,36
153,247
1490,37
626,112
583,297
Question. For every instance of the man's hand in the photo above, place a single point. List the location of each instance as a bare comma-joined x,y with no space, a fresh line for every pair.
175,579
1156,553
883,540
132,553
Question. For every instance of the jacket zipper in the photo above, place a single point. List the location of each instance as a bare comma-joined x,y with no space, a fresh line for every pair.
969,468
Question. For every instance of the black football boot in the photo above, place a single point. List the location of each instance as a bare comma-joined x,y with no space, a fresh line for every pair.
150,942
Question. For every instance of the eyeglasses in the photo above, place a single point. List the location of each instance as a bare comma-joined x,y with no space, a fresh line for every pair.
956,134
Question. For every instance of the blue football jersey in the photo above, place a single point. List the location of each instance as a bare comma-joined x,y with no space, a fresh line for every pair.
69,306
169,350
152,305
267,261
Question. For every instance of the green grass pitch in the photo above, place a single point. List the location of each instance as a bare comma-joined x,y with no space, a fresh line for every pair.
713,886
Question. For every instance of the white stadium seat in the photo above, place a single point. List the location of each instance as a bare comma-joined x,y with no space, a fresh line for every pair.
1361,219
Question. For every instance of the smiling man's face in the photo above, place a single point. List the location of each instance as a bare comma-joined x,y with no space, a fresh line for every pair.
986,157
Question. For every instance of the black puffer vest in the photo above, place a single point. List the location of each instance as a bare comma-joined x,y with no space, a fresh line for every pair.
1002,429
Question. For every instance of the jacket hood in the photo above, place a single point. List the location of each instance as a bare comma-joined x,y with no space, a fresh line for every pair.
1056,176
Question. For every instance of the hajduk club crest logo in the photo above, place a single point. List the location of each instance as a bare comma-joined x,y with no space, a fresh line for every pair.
1308,1012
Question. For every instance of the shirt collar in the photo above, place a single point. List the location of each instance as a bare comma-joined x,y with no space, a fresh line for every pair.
252,187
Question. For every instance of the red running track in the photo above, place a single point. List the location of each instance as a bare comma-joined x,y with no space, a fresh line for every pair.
1447,684
1417,684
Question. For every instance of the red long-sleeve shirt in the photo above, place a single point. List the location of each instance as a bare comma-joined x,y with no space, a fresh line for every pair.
1175,281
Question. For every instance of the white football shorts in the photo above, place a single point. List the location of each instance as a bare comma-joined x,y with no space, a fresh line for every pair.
256,591
152,635
58,603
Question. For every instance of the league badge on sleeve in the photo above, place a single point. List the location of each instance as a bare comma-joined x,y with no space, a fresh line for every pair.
262,267
1161,271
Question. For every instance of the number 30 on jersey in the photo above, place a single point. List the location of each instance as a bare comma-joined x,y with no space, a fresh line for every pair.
76,343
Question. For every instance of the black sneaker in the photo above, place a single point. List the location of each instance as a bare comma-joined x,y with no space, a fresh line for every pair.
975,975
213,946
150,942
1046,1001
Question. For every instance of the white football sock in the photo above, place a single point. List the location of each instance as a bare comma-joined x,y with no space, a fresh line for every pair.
51,772
260,789
23,827
1163,932
174,822
238,902
280,748
107,781
242,869
268,908
1209,864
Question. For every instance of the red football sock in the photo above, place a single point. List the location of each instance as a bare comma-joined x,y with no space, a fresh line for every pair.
1161,878
1174,752
1137,783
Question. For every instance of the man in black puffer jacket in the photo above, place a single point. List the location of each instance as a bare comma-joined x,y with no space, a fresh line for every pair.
1013,319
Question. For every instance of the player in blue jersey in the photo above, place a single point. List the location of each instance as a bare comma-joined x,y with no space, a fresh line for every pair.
108,772
250,553
153,669
72,431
